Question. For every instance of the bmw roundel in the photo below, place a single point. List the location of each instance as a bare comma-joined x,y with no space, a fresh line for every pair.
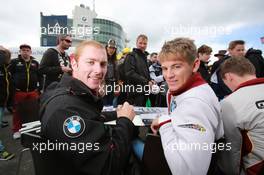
84,18
73,126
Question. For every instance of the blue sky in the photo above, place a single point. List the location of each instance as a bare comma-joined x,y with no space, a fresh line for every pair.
251,34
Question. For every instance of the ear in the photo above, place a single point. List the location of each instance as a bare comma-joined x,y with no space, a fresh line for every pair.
196,65
226,76
229,76
200,55
229,51
74,64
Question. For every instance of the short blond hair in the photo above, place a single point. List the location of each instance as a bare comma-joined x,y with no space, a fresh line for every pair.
83,44
183,48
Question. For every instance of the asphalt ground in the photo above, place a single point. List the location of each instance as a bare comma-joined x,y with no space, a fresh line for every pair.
10,167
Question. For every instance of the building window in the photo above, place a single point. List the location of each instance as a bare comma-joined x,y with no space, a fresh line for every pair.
45,41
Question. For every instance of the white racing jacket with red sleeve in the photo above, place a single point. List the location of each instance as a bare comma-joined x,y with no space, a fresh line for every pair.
189,131
243,117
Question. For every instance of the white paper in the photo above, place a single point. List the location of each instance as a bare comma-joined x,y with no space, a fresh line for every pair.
137,121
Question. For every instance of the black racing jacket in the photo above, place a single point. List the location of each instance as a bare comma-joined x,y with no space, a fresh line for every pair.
110,146
204,72
25,75
5,84
112,69
136,68
221,90
50,66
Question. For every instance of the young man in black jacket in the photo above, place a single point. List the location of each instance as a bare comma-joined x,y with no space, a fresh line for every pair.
55,61
72,115
236,49
204,54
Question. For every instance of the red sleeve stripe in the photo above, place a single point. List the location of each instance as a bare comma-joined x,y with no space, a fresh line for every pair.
163,123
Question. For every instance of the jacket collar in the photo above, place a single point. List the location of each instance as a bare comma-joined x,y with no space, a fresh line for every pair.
76,87
254,81
20,58
195,80
140,51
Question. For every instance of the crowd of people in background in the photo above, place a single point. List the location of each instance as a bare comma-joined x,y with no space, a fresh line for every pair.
226,98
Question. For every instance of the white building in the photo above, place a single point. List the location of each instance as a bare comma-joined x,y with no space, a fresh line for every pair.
82,25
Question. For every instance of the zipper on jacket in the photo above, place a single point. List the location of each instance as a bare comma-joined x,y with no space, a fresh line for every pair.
7,84
27,71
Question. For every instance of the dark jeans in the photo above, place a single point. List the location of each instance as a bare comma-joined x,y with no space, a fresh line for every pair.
108,99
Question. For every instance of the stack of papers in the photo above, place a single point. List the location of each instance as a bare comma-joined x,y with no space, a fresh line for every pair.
144,116
137,121
150,110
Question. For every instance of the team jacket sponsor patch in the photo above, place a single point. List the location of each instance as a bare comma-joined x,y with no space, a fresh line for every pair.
193,126
34,64
19,64
260,104
73,126
173,105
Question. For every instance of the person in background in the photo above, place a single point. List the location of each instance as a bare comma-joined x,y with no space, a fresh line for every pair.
55,61
111,77
5,81
220,55
121,65
137,72
243,117
204,54
26,78
256,58
122,97
155,70
155,73
5,89
236,49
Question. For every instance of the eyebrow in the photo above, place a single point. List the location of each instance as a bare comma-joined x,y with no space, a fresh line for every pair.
172,65
103,61
93,59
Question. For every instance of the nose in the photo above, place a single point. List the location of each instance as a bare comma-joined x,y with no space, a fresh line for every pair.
169,74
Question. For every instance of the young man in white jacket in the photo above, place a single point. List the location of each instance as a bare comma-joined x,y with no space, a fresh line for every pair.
189,131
